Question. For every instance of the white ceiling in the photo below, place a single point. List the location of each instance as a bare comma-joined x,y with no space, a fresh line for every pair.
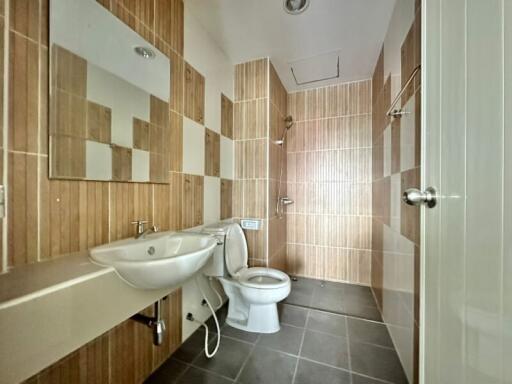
250,29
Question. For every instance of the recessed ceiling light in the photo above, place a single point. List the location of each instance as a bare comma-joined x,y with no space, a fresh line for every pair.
294,7
145,52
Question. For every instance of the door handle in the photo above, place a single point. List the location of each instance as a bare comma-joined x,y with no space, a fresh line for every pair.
414,196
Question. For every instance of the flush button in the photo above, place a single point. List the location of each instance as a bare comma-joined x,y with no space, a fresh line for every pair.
251,224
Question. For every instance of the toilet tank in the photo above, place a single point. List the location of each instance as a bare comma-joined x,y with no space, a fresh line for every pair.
216,265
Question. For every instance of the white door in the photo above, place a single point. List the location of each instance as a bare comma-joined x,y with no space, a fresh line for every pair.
466,306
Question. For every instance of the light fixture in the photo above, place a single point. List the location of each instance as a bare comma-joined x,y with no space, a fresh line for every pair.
145,52
294,7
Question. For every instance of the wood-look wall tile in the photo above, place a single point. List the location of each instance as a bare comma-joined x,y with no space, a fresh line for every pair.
276,235
169,23
158,112
73,215
24,18
238,198
2,80
257,243
212,153
176,196
278,95
176,101
68,114
43,101
194,98
158,167
69,71
175,145
226,199
129,202
192,201
410,215
68,154
142,10
121,163
22,209
255,202
250,119
226,120
251,158
132,20
395,146
23,94
251,80
140,134
99,123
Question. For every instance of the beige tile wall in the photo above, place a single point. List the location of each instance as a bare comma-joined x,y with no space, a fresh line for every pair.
395,226
250,132
329,178
277,158
50,218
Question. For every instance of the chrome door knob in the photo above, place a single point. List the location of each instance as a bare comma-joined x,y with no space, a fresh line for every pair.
414,196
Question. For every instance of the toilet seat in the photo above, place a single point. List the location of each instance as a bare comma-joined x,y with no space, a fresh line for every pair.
263,278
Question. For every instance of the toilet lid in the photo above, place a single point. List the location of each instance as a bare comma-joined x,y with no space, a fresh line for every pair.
236,249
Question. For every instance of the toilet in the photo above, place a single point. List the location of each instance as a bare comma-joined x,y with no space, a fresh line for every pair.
253,292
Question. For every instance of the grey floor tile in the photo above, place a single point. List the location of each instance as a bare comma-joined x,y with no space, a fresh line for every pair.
378,362
250,337
369,332
221,314
299,298
327,300
364,312
358,379
197,376
266,366
167,373
288,339
313,373
326,322
192,347
289,314
325,348
228,360
365,299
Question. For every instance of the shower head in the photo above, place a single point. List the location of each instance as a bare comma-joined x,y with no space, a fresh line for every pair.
288,124
289,121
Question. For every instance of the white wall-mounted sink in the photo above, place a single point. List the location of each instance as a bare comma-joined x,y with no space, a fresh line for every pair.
161,260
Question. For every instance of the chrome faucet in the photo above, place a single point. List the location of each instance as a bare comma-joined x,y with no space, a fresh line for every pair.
141,232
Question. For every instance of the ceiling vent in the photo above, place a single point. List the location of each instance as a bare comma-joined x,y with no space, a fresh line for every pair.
294,7
317,68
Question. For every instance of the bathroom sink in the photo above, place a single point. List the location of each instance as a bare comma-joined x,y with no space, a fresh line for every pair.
160,260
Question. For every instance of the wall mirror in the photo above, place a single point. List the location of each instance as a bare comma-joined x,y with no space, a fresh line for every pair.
109,98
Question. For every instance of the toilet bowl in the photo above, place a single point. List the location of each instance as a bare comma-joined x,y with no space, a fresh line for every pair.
253,292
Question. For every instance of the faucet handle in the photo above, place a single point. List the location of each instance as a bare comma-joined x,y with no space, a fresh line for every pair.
140,225
140,222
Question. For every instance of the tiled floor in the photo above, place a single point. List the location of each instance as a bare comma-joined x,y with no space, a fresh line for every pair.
311,347
347,299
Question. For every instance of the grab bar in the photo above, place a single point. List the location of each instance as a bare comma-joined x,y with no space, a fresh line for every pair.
398,112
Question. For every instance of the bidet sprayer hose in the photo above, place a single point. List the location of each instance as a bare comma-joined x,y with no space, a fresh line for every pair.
191,318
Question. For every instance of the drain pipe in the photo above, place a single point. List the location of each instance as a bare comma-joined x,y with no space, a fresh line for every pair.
155,322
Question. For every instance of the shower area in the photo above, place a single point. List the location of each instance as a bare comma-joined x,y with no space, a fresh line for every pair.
322,170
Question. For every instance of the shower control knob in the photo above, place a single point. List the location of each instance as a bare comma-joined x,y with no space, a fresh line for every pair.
414,196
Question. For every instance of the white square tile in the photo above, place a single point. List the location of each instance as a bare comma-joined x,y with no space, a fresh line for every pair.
212,107
140,165
407,136
193,147
396,201
211,199
98,161
387,151
227,158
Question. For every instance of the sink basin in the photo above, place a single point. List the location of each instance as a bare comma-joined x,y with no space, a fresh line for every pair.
160,260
